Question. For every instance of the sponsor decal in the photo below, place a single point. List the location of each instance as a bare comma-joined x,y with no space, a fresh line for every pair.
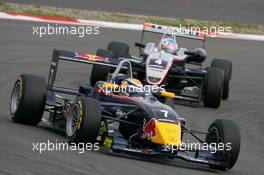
81,114
90,57
108,141
149,130
133,150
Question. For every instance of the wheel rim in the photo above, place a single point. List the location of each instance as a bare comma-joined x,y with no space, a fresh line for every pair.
73,120
15,97
213,136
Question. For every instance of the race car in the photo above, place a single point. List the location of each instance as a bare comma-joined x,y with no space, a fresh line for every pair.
120,114
178,69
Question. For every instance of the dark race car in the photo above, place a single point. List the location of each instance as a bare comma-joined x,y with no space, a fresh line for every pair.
120,114
179,70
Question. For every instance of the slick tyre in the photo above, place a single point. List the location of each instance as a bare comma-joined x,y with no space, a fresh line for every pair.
226,66
225,131
213,87
99,73
119,49
83,121
28,99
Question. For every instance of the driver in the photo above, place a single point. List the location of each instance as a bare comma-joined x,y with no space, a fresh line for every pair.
131,87
168,45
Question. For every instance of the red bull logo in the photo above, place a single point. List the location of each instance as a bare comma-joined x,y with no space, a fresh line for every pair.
149,130
91,57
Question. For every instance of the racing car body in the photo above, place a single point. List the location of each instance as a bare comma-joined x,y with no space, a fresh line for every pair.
120,119
181,73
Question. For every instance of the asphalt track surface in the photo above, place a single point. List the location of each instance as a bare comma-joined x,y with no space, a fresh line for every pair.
242,11
22,52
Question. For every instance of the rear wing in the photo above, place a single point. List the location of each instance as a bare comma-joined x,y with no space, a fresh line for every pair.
180,32
76,57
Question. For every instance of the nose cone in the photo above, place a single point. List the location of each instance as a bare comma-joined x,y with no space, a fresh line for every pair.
164,133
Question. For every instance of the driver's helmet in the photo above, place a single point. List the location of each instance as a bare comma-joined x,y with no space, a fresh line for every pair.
131,87
169,45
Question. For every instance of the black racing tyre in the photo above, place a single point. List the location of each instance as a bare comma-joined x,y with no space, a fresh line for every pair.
226,66
119,49
99,72
83,121
213,87
104,53
227,132
28,99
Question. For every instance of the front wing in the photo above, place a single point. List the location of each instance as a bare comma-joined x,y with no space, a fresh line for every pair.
114,142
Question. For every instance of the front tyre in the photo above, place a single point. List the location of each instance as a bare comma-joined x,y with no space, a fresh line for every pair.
226,132
213,87
83,121
28,99
226,66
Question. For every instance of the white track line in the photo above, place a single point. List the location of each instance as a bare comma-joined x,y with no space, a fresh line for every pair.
115,25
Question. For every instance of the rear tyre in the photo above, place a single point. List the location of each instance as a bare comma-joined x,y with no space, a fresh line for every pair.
83,121
213,87
104,53
119,49
226,66
28,99
226,132
99,73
